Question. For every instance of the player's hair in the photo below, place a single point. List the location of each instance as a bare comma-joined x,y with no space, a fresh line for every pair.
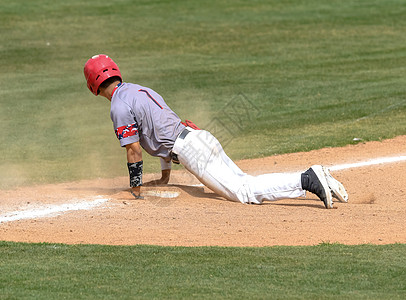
109,81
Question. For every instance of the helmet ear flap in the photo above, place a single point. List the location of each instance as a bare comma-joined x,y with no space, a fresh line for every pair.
99,68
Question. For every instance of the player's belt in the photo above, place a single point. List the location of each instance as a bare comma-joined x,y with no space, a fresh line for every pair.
183,134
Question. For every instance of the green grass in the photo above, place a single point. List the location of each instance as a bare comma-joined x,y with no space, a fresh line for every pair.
326,271
319,73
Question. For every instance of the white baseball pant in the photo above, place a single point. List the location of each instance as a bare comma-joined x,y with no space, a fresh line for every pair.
202,155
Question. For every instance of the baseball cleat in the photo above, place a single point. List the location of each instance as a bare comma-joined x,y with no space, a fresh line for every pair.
314,180
337,189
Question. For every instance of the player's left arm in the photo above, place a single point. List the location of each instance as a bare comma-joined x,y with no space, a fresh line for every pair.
135,168
165,174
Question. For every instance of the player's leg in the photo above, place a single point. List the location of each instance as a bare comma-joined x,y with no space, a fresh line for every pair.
276,186
284,185
201,154
269,187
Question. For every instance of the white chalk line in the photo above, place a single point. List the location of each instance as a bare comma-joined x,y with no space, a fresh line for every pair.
51,210
376,161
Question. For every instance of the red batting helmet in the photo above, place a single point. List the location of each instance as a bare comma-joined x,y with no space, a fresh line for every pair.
99,68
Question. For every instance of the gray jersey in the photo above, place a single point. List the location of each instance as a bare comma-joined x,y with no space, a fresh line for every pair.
141,115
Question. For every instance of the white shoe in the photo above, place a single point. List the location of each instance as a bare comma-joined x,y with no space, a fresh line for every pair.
337,189
314,180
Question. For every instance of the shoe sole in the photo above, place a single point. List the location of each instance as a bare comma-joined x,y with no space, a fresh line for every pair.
318,170
337,189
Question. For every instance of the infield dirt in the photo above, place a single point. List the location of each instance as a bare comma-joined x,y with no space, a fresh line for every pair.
374,214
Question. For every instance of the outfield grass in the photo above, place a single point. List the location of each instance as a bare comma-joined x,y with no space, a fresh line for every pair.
320,73
326,271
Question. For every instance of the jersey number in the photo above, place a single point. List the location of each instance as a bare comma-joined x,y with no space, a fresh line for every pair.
150,97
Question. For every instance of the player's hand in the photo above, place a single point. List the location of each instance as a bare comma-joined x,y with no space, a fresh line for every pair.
163,180
156,182
136,192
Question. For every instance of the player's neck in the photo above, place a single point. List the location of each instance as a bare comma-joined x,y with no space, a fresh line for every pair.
108,92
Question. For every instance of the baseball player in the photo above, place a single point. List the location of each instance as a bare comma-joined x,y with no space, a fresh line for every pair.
142,119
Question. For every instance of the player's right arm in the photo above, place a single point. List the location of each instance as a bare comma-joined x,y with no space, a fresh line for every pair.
134,152
135,166
126,129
